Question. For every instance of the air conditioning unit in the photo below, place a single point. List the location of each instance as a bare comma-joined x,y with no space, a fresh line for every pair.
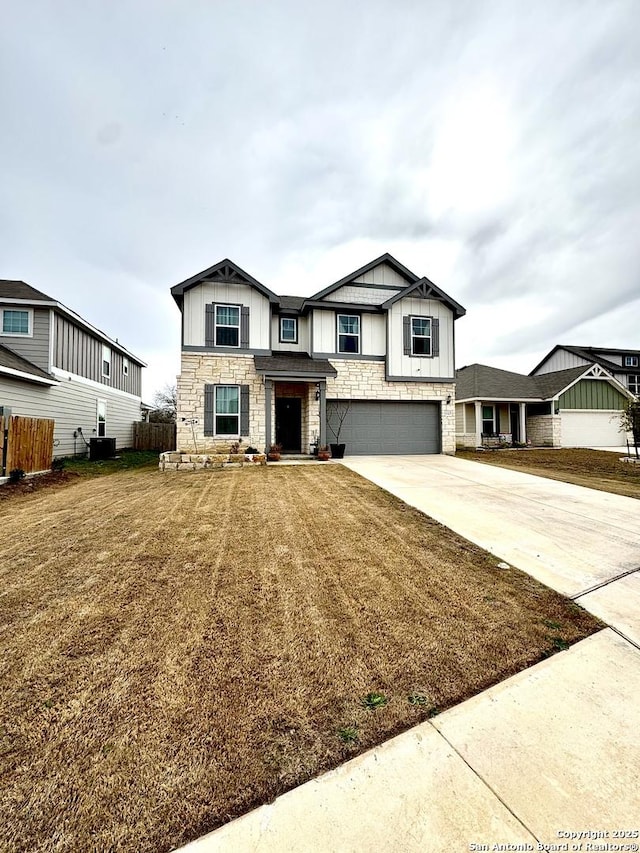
102,448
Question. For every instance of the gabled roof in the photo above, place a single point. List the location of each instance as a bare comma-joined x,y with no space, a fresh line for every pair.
388,259
11,289
224,271
481,382
17,367
428,290
595,355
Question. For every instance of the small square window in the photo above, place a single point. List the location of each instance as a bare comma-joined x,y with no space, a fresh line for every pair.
631,361
15,322
288,330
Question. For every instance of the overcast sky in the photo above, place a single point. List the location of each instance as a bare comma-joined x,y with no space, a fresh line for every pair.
491,146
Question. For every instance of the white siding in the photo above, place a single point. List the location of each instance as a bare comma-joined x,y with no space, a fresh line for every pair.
420,368
561,360
362,295
324,330
374,334
303,336
73,404
197,297
384,274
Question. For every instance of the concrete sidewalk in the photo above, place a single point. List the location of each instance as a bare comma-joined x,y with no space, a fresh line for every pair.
550,751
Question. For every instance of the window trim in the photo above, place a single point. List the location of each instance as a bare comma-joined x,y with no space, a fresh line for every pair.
428,337
216,326
106,359
357,335
23,310
636,382
283,340
99,403
631,361
217,414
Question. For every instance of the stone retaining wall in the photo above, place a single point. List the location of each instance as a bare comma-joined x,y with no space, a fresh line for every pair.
176,461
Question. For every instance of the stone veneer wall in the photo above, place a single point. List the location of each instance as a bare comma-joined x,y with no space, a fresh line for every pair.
364,380
544,430
198,370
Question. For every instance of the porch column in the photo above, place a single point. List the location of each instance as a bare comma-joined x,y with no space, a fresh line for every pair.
322,434
523,423
478,406
268,386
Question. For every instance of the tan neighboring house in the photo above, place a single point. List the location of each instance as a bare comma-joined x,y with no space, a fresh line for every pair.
579,406
54,364
264,368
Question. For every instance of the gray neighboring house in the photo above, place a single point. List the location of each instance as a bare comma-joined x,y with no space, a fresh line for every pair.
623,364
266,368
54,364
576,407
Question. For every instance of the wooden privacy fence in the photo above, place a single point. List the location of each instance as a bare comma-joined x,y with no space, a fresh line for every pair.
25,443
158,437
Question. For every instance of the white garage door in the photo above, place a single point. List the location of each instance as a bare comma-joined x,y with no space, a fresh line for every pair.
591,429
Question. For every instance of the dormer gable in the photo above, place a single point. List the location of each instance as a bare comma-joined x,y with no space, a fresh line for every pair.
371,284
224,272
425,289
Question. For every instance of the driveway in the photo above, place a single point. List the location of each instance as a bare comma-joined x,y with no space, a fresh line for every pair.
581,542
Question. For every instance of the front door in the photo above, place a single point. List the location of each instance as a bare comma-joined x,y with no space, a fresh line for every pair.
514,411
289,424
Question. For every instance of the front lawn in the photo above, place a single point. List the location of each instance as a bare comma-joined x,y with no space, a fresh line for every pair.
595,469
178,648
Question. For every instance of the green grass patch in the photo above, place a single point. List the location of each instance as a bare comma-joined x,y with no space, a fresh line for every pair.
125,460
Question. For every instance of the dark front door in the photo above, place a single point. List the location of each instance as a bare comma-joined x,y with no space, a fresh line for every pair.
289,424
514,411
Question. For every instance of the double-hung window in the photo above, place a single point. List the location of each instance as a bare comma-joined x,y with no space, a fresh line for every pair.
634,384
227,332
631,361
421,336
15,322
288,330
489,420
227,410
101,417
106,361
348,333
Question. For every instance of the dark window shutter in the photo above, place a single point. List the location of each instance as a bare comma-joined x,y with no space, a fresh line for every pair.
244,327
406,332
209,404
210,326
244,410
435,337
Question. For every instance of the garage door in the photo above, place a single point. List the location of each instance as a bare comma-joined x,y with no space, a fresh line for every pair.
591,429
388,427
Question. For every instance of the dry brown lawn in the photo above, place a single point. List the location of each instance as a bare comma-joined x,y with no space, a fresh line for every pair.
595,469
178,648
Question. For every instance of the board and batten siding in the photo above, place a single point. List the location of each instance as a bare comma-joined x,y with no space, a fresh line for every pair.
372,332
35,347
561,360
197,298
401,365
303,344
73,404
78,352
383,274
592,394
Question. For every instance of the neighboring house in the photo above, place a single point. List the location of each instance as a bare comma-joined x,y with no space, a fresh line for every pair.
576,407
53,364
268,369
623,364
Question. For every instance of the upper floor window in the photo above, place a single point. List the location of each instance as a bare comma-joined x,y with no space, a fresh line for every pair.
125,366
16,322
288,330
227,331
421,336
348,333
106,361
631,361
634,384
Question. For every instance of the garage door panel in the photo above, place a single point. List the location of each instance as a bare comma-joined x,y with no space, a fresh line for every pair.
389,427
591,429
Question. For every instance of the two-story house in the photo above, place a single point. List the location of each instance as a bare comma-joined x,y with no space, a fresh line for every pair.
54,364
271,369
623,364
